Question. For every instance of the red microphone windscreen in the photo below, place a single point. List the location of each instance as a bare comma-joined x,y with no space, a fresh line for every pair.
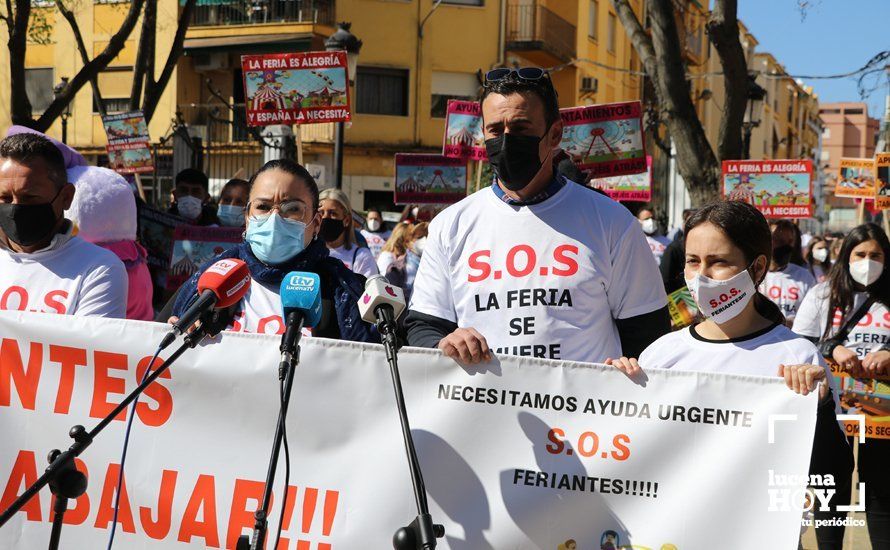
228,279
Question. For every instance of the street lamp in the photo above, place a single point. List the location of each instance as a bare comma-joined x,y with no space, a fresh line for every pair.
756,95
342,40
57,91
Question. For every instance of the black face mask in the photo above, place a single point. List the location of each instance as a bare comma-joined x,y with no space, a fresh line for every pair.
514,158
330,229
28,224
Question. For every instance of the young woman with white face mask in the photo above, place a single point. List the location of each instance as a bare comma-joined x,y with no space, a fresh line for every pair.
818,258
858,279
728,251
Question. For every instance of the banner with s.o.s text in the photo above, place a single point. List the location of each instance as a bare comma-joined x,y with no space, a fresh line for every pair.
516,453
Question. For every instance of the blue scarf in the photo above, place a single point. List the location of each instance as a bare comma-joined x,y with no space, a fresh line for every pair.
347,286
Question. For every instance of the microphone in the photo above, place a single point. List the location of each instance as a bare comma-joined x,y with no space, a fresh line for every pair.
381,304
301,307
222,285
381,301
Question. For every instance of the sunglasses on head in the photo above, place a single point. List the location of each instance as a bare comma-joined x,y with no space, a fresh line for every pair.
523,73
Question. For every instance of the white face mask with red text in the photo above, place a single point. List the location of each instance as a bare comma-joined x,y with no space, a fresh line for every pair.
722,301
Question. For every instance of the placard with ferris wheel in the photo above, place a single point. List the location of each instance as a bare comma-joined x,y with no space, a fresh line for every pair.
778,188
605,140
296,88
429,179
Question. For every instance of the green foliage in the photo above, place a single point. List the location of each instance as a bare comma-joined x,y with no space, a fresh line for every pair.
40,26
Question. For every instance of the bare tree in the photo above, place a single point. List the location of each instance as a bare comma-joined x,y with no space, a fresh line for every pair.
17,17
144,82
661,54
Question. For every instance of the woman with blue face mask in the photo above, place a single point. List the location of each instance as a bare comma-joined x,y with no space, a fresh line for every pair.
280,236
232,205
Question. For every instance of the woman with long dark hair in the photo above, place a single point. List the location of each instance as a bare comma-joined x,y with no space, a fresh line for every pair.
858,289
728,253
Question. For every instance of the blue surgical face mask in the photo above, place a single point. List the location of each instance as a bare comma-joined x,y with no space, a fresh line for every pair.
275,240
230,215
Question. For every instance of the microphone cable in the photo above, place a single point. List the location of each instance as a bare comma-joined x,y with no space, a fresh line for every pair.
120,475
286,463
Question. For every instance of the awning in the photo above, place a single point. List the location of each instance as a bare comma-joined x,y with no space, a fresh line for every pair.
251,43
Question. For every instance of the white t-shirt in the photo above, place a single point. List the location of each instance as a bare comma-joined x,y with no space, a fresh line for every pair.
376,240
544,280
787,287
260,312
70,276
364,260
758,354
657,243
871,333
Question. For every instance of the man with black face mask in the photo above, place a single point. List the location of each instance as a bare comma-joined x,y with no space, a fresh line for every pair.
535,265
43,266
786,283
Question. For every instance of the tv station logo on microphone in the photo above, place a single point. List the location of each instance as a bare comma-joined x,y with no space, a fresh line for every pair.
222,267
301,283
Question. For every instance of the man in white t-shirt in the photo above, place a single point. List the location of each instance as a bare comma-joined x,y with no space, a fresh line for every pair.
43,266
534,265
786,283
657,243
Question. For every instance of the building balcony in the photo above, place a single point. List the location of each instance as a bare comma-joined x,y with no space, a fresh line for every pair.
217,13
532,28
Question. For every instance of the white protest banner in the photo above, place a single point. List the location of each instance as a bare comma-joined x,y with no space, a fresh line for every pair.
519,453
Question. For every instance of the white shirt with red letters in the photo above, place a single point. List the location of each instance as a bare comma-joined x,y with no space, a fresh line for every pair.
544,280
71,277
787,287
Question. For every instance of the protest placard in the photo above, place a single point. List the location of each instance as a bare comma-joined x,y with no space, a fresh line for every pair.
605,140
856,179
129,145
296,88
463,131
630,187
882,181
518,453
682,307
429,179
869,397
156,235
778,188
193,246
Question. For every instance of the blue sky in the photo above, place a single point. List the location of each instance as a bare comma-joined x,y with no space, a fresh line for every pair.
837,36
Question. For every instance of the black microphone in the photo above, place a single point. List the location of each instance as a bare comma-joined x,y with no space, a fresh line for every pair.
382,303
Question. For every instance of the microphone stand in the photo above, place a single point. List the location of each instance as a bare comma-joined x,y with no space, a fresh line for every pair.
64,479
422,533
290,358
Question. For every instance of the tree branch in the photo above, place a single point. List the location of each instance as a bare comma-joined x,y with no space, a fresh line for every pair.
723,31
638,36
139,66
153,94
91,69
84,55
20,107
662,58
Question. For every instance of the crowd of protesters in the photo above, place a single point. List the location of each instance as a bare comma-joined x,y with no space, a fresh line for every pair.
597,275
